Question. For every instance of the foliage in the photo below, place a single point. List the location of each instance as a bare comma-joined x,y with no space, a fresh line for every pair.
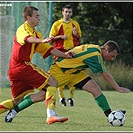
102,21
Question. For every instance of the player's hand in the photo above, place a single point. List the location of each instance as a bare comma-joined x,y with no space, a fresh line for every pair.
70,54
64,37
123,90
74,31
48,40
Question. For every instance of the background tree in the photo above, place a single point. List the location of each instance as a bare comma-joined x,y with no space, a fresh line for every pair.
102,21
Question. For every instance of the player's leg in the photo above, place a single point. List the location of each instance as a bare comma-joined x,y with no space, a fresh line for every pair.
19,101
83,81
62,78
6,105
71,96
62,96
34,98
52,117
9,104
41,80
23,84
92,87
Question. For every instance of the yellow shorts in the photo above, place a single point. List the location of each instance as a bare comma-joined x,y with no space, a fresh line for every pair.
66,78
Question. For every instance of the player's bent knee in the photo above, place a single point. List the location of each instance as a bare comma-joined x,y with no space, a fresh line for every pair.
17,101
92,87
42,95
52,82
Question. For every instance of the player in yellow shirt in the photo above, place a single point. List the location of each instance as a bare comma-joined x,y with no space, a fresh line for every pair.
67,34
71,71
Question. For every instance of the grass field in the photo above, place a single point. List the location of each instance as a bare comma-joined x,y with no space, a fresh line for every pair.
85,116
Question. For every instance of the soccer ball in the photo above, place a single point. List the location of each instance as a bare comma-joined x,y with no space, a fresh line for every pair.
117,118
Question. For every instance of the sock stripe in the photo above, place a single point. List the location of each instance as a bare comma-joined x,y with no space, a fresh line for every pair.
2,107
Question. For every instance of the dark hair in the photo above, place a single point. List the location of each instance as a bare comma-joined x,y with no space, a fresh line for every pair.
67,6
28,11
111,45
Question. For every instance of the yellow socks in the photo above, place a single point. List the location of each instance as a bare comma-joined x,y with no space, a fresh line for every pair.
61,92
51,101
6,105
71,92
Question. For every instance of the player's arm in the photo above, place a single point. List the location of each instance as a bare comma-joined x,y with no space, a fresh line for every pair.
61,54
32,39
54,31
109,78
64,37
75,33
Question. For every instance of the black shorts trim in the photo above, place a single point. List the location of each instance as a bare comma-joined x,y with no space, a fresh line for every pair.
44,89
82,83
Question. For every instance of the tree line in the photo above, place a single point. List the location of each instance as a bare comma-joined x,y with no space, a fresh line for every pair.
102,21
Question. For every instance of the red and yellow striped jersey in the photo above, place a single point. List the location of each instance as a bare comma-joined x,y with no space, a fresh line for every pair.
63,28
23,51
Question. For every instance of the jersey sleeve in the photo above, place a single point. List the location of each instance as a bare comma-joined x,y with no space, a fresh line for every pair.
24,32
44,49
96,64
54,29
22,35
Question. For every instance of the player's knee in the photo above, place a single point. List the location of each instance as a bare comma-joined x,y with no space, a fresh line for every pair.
42,98
17,101
42,95
96,91
52,82
93,88
55,83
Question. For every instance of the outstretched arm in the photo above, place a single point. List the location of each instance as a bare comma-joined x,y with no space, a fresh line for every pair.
32,39
109,78
61,54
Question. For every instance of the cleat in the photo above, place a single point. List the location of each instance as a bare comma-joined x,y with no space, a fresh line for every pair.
63,101
56,118
70,101
9,117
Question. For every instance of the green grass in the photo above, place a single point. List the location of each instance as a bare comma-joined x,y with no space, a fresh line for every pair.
84,116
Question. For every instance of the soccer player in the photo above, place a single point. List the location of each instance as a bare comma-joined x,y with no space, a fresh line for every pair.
25,76
71,71
67,34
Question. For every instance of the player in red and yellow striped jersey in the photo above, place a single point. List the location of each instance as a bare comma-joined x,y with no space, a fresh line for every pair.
25,76
67,34
71,71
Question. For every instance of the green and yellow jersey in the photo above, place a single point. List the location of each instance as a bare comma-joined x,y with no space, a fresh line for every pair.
87,56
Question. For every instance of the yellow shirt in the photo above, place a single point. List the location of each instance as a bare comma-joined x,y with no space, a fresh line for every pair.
62,28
